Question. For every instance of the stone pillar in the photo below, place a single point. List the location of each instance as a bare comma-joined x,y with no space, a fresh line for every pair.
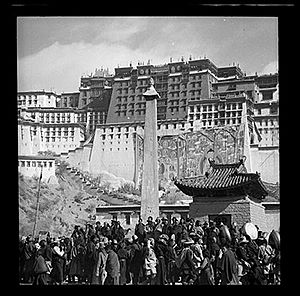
150,197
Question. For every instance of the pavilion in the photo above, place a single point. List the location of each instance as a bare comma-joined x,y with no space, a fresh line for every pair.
227,193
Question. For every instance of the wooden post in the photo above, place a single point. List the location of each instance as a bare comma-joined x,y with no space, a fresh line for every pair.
37,203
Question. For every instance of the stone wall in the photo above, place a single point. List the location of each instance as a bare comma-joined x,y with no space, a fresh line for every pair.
238,208
241,209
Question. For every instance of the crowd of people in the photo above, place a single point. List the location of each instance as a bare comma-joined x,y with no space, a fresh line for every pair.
159,252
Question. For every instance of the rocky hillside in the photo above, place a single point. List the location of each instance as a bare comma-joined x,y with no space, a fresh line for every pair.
61,206
73,200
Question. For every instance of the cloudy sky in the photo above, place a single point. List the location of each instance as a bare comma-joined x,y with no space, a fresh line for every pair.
53,53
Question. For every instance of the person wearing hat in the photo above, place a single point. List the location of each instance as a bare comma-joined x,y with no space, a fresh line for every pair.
171,256
22,242
234,233
40,269
206,276
112,264
166,227
265,255
229,272
46,251
136,259
214,250
106,230
150,262
157,228
100,271
139,230
149,227
176,230
75,264
197,250
191,225
160,250
29,252
91,258
57,263
198,229
242,256
186,264
123,258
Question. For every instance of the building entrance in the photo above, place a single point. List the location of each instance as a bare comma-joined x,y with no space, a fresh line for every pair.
226,219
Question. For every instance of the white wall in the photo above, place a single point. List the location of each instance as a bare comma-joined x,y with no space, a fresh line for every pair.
266,162
31,171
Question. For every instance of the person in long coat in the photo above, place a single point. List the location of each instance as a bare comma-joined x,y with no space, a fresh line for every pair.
122,255
112,266
206,270
91,258
171,257
187,265
57,263
22,242
29,252
40,270
150,262
139,230
161,250
75,264
100,271
229,275
136,260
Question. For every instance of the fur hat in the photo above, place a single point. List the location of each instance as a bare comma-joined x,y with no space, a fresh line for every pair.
188,241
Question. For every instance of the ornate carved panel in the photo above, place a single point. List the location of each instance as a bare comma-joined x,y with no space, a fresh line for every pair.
187,154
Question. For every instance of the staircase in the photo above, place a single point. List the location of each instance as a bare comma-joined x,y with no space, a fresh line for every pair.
93,189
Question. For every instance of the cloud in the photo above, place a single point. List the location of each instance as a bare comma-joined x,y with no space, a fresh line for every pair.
85,44
120,29
61,66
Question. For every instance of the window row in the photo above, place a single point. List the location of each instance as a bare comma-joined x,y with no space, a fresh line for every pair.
267,122
221,122
118,129
130,112
59,139
32,163
58,129
111,136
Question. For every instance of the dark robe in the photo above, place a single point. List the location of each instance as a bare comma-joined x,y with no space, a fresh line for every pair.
75,265
122,254
187,268
160,250
172,270
139,231
207,274
57,271
91,258
229,274
136,261
112,268
29,258
40,271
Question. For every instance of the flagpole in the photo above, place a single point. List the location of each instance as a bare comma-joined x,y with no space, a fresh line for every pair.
37,203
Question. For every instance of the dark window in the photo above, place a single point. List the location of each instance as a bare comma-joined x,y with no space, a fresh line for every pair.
127,217
267,95
273,110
